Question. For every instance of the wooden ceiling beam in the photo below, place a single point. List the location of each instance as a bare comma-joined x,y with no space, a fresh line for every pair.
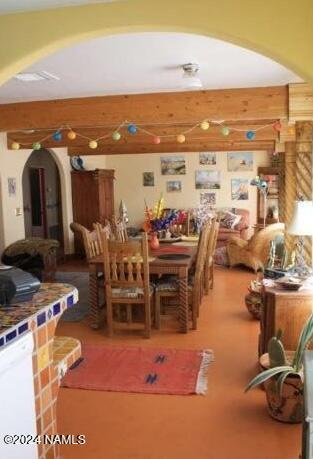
120,149
213,134
178,107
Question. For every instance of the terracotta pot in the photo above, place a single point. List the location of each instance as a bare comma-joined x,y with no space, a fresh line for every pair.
253,302
289,407
154,241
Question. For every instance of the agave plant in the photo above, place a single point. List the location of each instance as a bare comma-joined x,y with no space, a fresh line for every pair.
279,366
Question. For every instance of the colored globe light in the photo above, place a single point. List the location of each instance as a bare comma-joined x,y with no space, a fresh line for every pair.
225,131
71,135
250,135
156,140
15,146
36,146
116,136
181,138
277,126
132,128
205,125
93,144
291,130
57,136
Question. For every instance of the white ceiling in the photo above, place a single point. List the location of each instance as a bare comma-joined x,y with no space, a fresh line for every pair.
13,6
142,63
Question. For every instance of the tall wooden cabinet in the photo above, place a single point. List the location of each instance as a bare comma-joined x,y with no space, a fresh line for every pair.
93,199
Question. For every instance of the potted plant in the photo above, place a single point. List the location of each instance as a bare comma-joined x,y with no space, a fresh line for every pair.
283,380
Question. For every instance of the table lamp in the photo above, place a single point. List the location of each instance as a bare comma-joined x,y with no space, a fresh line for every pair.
302,225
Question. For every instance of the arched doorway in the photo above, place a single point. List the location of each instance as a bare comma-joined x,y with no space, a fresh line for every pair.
42,197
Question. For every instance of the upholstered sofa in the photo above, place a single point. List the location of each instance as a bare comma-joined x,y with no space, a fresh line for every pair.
255,252
240,230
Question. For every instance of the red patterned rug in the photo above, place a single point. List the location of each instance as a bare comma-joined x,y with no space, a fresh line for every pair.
137,369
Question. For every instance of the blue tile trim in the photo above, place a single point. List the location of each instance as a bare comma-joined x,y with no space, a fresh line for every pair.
56,309
23,328
10,336
70,301
1,342
41,319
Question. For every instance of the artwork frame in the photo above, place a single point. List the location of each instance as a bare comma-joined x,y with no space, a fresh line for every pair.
207,158
12,186
173,165
240,161
148,178
240,189
208,199
207,179
173,186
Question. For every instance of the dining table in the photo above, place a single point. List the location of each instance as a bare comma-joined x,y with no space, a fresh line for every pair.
158,265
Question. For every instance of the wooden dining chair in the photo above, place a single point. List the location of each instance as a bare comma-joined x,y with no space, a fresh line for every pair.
209,259
169,288
100,229
119,229
126,272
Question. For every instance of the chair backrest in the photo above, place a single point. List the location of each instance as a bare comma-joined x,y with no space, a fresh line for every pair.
202,251
119,229
126,263
99,228
91,243
212,239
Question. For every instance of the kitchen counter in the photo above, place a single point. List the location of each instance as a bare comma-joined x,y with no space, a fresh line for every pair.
52,356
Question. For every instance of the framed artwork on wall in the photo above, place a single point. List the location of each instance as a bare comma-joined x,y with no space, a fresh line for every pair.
208,199
239,189
173,165
210,180
173,185
12,186
240,161
148,178
207,159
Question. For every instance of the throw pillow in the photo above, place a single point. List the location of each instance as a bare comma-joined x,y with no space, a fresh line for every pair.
230,220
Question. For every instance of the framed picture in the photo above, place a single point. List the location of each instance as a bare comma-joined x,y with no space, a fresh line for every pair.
148,178
240,161
240,189
208,199
210,180
173,165
173,185
207,159
12,186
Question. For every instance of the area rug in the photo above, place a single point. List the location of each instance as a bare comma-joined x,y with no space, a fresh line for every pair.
80,280
143,370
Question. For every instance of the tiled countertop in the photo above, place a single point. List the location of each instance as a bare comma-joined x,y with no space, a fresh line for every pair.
49,302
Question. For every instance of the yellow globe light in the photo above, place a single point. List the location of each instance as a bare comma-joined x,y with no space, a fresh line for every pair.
93,144
205,125
71,135
15,146
181,138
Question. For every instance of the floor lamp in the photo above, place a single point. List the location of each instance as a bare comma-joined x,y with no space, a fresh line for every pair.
262,186
301,225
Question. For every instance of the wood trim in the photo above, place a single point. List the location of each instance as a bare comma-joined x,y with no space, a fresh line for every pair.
120,149
300,102
179,107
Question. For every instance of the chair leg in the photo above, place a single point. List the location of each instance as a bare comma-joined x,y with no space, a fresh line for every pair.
129,313
211,276
109,318
157,310
206,279
147,332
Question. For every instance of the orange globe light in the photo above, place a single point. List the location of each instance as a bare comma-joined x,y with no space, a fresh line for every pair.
291,130
71,135
156,140
277,126
181,138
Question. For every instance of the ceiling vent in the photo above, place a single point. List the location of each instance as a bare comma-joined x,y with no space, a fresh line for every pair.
28,77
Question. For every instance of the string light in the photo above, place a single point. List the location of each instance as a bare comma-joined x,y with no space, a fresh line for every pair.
156,139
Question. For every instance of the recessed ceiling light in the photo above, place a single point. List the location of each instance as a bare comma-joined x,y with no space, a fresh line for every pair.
35,76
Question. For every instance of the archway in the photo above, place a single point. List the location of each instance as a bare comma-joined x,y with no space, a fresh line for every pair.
42,197
274,31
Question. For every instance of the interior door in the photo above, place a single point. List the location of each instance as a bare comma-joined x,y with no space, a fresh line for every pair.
38,202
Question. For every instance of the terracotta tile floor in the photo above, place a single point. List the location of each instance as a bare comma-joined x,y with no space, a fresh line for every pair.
224,424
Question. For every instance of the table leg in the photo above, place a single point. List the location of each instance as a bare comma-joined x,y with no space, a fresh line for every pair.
183,299
94,298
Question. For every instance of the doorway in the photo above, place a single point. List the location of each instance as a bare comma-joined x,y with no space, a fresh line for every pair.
42,197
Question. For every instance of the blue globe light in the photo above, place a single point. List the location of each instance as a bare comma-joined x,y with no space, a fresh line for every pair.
250,135
57,136
132,129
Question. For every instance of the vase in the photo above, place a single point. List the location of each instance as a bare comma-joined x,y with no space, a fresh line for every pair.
154,241
289,407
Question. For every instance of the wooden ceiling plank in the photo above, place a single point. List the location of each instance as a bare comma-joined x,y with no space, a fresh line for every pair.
191,107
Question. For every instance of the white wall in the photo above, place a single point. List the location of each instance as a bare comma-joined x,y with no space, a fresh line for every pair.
11,165
129,187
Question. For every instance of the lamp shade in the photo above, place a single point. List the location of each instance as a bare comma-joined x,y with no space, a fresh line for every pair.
302,219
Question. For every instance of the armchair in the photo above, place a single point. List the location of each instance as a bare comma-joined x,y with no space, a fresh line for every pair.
255,252
241,230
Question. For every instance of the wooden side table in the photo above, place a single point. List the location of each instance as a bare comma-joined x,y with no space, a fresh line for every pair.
286,310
